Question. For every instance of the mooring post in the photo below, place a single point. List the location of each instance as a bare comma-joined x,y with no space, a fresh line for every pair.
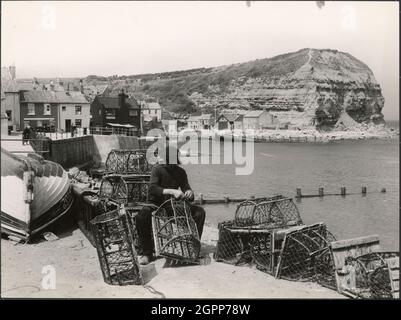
200,198
321,192
299,193
363,190
343,191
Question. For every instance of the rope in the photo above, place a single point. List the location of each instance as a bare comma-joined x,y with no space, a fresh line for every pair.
25,286
154,291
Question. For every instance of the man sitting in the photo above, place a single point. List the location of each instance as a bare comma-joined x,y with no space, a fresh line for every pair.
166,181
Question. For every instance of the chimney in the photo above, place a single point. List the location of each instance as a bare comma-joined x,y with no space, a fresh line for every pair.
123,112
13,71
35,83
121,98
81,86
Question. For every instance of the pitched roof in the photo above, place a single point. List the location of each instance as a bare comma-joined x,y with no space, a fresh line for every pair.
109,102
24,85
132,102
231,117
112,102
48,96
205,116
254,114
7,82
193,118
153,105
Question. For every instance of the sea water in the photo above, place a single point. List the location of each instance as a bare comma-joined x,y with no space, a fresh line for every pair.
280,168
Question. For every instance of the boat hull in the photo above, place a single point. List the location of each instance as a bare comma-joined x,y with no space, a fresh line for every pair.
34,194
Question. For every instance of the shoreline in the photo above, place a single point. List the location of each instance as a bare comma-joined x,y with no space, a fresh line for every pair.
310,136
292,136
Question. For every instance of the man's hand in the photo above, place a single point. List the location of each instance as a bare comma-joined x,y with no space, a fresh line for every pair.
174,192
177,194
188,195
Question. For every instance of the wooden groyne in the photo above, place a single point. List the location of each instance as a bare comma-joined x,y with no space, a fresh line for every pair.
200,200
343,192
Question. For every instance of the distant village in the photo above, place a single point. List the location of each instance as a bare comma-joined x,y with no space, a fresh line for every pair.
63,106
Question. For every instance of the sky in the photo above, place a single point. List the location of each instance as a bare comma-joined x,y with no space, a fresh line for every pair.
76,39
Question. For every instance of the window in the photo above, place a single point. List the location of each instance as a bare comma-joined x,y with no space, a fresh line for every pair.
31,109
78,110
133,113
47,111
9,115
110,114
78,123
63,108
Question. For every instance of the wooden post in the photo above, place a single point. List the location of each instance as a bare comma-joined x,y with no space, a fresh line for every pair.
363,190
200,198
299,193
343,191
321,192
226,200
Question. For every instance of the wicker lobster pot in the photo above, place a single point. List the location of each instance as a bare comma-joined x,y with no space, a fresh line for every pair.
116,161
250,236
115,248
121,161
175,233
373,277
274,212
128,189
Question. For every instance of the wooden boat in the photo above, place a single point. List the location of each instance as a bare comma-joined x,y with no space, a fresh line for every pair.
34,194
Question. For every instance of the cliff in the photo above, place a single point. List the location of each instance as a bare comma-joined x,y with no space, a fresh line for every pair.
308,88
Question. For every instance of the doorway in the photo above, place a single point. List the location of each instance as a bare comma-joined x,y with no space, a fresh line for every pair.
68,125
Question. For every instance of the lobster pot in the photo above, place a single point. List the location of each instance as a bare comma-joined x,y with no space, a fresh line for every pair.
132,213
87,208
175,233
137,162
375,278
232,247
261,247
121,161
274,212
128,189
115,248
305,255
116,161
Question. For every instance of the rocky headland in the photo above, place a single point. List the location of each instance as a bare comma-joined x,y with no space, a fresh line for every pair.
320,90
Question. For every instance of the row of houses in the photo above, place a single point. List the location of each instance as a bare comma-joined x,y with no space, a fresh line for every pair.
241,120
60,106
